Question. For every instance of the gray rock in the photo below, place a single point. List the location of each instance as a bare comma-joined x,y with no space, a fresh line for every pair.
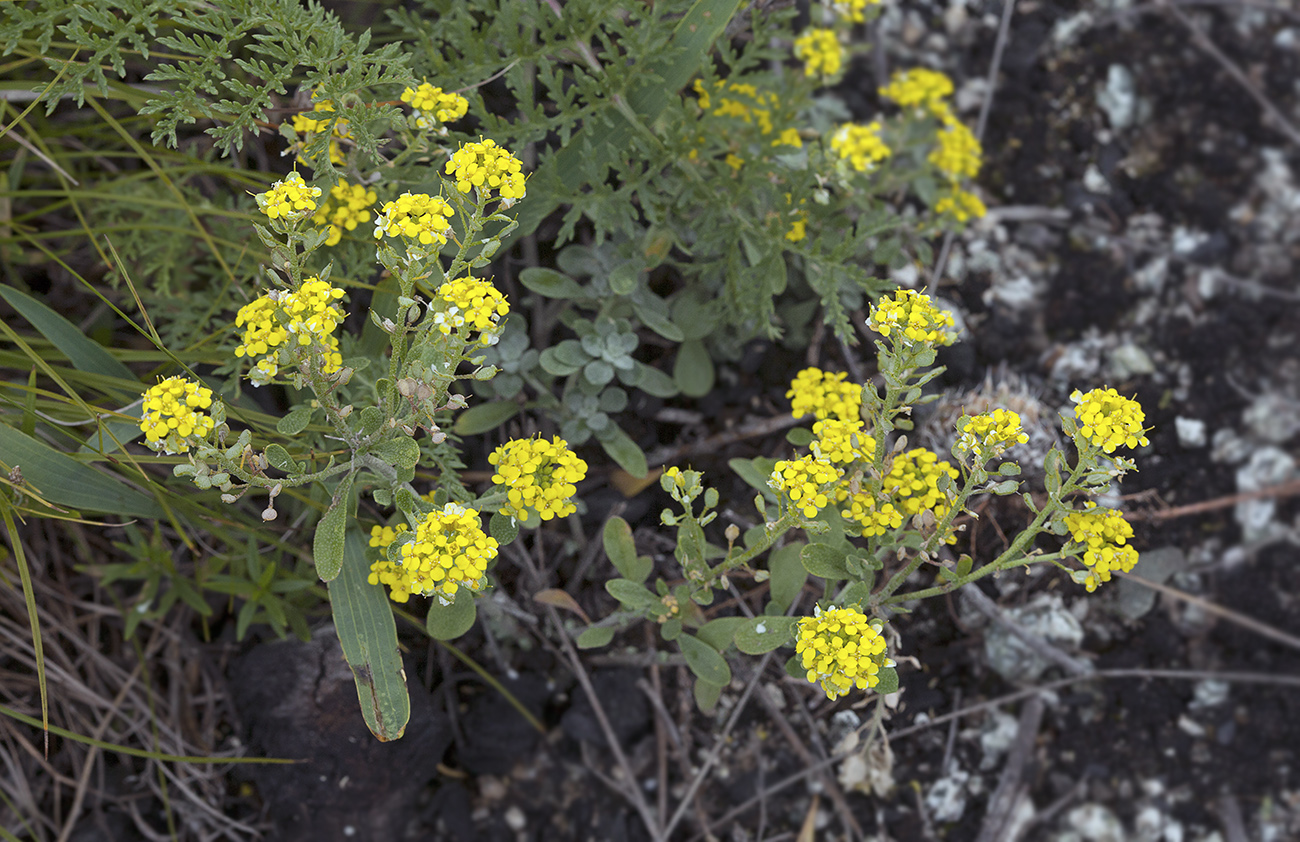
1191,432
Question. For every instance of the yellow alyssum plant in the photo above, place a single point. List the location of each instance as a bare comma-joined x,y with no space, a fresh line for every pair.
873,512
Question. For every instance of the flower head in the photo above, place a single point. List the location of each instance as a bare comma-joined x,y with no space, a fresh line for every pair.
1105,533
913,482
821,52
919,88
841,648
418,217
450,551
290,199
382,536
789,137
309,315
853,11
488,167
471,302
960,205
173,416
841,441
825,394
871,515
347,207
538,475
988,434
1108,420
910,318
432,105
861,146
958,153
804,483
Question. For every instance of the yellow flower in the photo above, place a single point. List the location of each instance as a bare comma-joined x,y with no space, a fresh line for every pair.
841,648
803,482
861,146
913,482
450,551
824,394
382,536
1108,420
853,11
789,137
909,317
987,435
538,475
488,167
1105,533
821,52
842,441
473,302
429,101
873,517
415,216
308,314
960,205
798,228
289,199
734,161
919,88
347,207
173,416
959,153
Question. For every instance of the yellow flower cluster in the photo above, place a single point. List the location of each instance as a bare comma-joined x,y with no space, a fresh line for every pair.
874,518
913,482
841,441
802,481
309,314
861,146
1109,420
416,216
919,88
841,649
988,434
821,52
488,167
538,475
853,11
382,536
1106,534
347,207
450,551
747,104
474,302
960,205
789,137
429,101
173,414
958,153
909,317
824,394
289,199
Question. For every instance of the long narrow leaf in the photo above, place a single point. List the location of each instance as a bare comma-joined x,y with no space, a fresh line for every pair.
63,480
85,354
368,634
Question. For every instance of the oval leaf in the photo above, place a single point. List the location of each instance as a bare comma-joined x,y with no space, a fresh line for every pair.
706,695
327,546
764,634
787,575
824,561
704,660
631,594
595,637
625,452
295,422
621,550
888,682
503,528
622,280
368,635
448,622
693,369
402,452
550,283
652,381
720,632
484,417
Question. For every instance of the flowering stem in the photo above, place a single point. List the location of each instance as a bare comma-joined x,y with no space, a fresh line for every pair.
771,533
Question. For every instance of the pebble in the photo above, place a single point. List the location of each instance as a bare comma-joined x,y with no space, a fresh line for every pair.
516,819
1095,823
1267,466
1191,432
